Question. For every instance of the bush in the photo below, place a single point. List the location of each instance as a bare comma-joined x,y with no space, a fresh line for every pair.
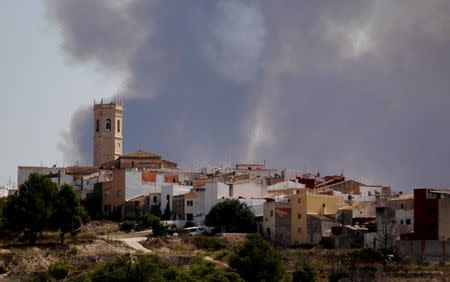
304,273
73,251
338,274
127,225
41,277
152,268
255,260
208,243
202,270
367,255
189,224
110,270
59,270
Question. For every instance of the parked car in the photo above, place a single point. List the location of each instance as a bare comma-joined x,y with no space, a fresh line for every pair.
194,231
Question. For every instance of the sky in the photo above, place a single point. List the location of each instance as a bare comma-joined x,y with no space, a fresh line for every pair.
360,87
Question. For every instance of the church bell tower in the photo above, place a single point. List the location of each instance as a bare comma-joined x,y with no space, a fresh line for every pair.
108,129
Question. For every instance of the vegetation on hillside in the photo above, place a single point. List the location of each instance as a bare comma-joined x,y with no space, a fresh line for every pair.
256,260
230,215
41,205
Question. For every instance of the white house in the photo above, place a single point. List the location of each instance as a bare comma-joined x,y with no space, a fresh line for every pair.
6,191
199,205
57,174
135,184
248,189
170,190
214,192
285,185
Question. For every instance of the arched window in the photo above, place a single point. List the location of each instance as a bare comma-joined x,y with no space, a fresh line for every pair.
108,124
97,125
118,125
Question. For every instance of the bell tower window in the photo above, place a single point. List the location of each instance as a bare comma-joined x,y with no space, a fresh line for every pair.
97,125
118,125
108,124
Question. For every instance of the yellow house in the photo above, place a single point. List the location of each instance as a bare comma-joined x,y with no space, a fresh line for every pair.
304,203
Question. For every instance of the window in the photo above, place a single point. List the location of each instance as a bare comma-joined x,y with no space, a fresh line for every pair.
155,199
118,125
401,221
108,124
97,125
299,230
299,200
402,206
299,216
271,213
408,221
189,203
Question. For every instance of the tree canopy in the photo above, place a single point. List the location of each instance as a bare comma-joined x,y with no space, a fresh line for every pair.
255,261
30,211
231,215
69,214
40,205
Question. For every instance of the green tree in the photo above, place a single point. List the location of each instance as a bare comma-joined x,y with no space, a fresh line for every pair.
167,213
231,215
255,261
2,206
30,211
69,214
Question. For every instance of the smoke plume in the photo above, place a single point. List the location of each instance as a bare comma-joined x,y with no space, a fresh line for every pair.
360,87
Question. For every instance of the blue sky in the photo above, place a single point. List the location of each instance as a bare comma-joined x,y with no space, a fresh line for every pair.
40,88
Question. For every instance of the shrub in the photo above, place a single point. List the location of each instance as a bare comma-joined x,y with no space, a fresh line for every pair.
223,255
189,224
110,270
208,243
367,255
337,274
152,268
304,273
41,277
255,260
202,270
73,251
127,225
59,270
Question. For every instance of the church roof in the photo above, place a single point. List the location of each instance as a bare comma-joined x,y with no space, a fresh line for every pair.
141,154
83,170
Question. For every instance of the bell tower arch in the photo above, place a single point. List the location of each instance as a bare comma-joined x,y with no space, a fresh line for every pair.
108,132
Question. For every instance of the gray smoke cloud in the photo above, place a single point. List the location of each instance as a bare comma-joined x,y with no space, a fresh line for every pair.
360,87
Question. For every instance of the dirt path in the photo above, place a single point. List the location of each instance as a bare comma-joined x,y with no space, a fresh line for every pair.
133,242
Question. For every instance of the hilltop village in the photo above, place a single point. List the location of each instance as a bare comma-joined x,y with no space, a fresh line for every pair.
291,207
